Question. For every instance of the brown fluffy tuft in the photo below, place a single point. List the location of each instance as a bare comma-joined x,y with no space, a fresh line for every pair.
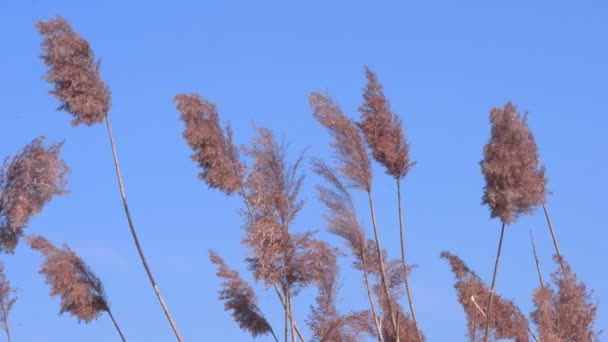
347,140
383,130
515,182
74,73
81,292
239,298
568,314
214,151
27,183
506,321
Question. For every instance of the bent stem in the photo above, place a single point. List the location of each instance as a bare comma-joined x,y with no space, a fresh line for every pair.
382,267
134,234
403,261
122,337
487,330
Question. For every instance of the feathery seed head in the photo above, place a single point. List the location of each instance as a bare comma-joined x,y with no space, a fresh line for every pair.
383,130
74,73
515,182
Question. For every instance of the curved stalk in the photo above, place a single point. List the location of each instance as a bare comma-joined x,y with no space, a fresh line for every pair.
489,315
134,234
403,261
382,267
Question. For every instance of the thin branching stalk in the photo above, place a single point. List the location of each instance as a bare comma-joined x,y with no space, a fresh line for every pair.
293,336
557,250
122,337
404,262
487,330
382,267
134,234
540,275
287,313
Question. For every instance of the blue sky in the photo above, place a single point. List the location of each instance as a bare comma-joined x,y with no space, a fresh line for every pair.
444,64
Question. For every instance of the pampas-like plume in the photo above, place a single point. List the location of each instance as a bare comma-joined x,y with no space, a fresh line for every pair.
506,320
240,299
347,140
325,321
568,314
214,151
7,301
29,181
382,129
74,73
272,189
515,182
81,292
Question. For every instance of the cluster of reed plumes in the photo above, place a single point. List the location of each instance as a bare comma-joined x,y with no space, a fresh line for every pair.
284,259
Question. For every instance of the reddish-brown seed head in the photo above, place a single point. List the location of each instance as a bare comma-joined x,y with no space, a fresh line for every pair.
515,181
383,130
28,182
81,292
73,72
214,151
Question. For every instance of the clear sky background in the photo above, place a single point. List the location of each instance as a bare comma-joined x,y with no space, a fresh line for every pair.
444,65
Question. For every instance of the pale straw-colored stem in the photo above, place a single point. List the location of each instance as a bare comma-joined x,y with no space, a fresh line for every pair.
557,250
369,293
122,337
404,263
382,267
487,329
540,275
134,234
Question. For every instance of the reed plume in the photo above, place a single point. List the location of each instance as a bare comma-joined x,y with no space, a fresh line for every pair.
74,72
342,221
567,314
353,161
506,321
383,129
515,182
214,151
384,135
7,301
81,292
77,84
28,182
325,320
241,300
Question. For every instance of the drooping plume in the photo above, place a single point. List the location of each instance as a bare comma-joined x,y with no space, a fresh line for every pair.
81,292
383,130
272,189
27,183
342,217
350,152
214,151
568,314
74,73
515,181
506,320
240,299
7,301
